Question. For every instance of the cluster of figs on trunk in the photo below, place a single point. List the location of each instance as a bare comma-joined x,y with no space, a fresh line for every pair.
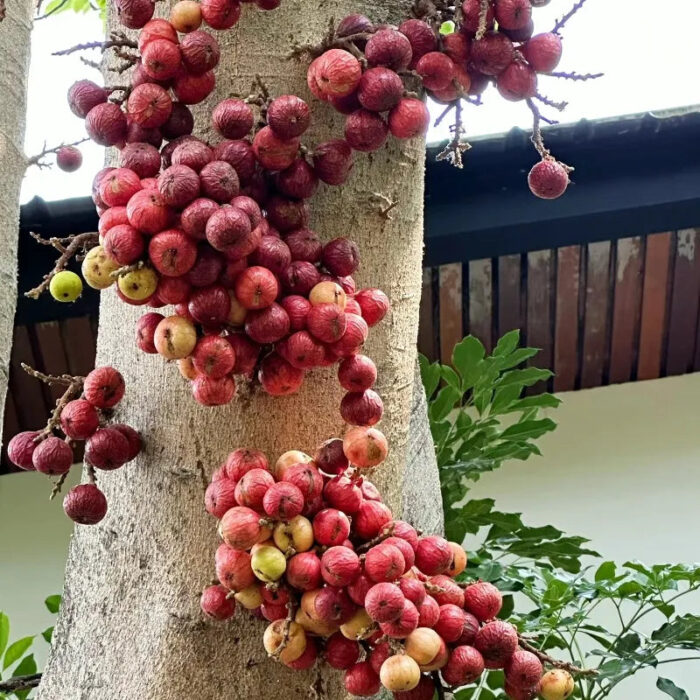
108,445
310,547
220,231
366,71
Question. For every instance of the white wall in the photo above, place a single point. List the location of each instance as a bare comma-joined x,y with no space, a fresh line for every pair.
623,469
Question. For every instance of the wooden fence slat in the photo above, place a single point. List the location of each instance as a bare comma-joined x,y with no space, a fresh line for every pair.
567,318
539,311
626,307
451,331
51,353
654,303
426,320
509,296
32,407
481,301
683,314
596,314
80,343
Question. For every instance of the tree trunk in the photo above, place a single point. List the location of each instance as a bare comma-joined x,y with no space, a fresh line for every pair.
130,624
14,58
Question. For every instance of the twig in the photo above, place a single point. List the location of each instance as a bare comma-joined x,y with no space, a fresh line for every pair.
556,663
483,16
536,137
576,76
383,535
116,40
127,268
58,485
74,388
37,159
19,683
58,7
454,149
285,630
560,106
78,242
563,20
444,113
90,64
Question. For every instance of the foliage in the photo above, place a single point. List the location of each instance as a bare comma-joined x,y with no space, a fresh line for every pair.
17,658
80,6
479,419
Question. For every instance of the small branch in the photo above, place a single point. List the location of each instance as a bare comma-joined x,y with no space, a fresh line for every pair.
536,137
116,40
65,379
444,113
562,21
556,663
385,534
58,7
19,683
560,106
483,16
127,268
58,485
80,241
454,149
38,158
576,76
291,609
89,63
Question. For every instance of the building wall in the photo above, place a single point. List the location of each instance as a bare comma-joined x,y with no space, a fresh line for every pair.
623,469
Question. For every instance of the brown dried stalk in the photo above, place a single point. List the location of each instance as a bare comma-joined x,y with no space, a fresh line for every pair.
75,244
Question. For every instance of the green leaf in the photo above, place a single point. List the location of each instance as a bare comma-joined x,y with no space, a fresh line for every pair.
538,401
528,429
466,356
606,571
16,651
683,631
429,374
53,603
447,28
517,357
504,398
524,377
47,634
26,667
4,631
670,688
507,343
451,377
444,403
628,644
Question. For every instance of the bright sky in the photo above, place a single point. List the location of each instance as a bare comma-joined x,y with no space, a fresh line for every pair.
647,50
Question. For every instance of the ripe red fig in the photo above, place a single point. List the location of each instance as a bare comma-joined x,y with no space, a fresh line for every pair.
220,496
107,449
233,568
200,52
216,604
549,178
288,116
483,600
79,419
384,602
390,48
362,680
365,447
333,161
340,566
335,73
543,52
497,641
278,377
233,118
517,82
409,119
493,53
523,670
331,459
374,305
365,131
283,501
331,527
357,373
402,626
433,555
104,387
85,504
421,37
21,448
370,519
464,666
341,653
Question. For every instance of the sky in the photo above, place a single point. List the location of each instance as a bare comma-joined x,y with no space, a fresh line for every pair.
646,49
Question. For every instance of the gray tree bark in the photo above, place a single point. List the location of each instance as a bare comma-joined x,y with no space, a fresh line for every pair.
130,625
15,32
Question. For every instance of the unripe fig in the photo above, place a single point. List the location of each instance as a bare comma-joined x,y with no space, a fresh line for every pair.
327,293
175,337
359,626
268,563
290,459
399,673
97,268
556,684
250,598
423,645
459,560
365,447
287,641
296,534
